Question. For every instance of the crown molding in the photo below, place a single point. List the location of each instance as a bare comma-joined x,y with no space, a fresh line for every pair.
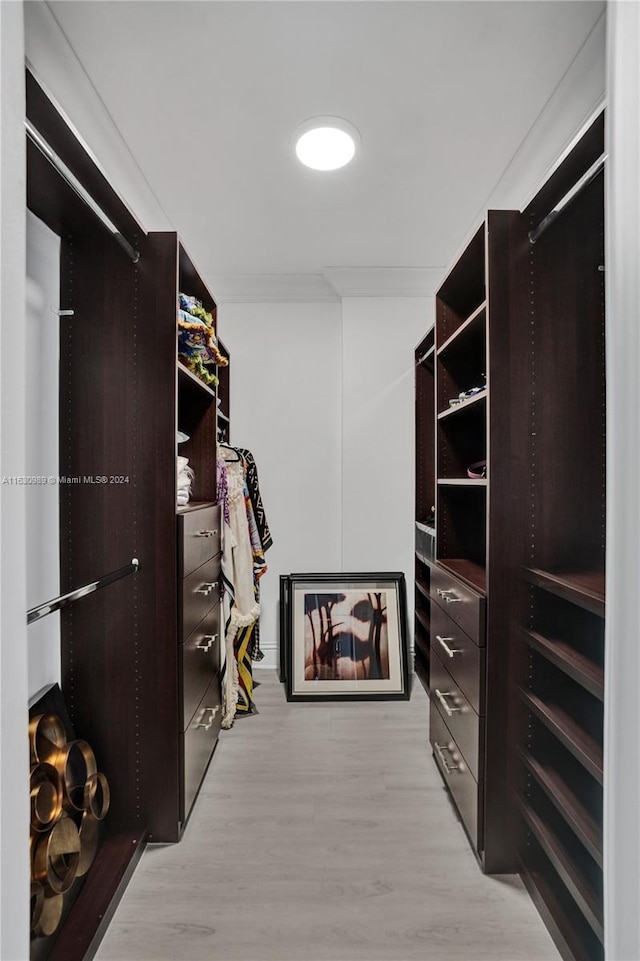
271,288
330,286
385,281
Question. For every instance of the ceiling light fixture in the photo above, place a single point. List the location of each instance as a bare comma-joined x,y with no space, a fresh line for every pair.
326,143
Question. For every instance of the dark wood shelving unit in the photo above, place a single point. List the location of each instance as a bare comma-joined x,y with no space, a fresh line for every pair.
424,359
568,803
585,748
189,382
471,325
458,409
558,650
462,482
575,664
584,588
588,900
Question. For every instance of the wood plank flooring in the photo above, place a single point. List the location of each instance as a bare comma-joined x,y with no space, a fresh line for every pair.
323,833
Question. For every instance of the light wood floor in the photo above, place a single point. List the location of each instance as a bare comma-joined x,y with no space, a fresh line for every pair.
323,833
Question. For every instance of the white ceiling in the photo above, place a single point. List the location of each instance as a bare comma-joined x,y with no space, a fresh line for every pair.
207,94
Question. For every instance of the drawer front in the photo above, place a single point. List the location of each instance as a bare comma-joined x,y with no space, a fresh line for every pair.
199,663
198,742
456,712
461,656
456,775
464,605
199,592
198,538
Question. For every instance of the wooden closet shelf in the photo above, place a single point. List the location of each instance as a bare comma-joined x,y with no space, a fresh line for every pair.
567,803
576,665
582,745
586,589
577,884
462,481
424,621
187,380
194,506
464,405
423,588
422,647
470,571
571,945
474,320
102,889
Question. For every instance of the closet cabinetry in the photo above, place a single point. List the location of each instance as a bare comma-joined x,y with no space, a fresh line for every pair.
469,577
559,635
424,503
140,666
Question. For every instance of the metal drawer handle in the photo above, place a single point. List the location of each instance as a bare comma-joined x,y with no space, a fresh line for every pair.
211,584
450,650
453,600
205,533
209,725
209,638
441,591
440,749
205,589
442,698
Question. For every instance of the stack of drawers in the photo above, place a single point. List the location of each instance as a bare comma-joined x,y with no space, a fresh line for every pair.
457,693
199,644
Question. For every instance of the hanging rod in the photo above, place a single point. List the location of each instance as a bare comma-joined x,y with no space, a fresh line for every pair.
42,145
36,613
584,181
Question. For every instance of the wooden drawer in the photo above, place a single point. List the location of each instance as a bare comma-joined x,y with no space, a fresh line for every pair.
198,742
456,774
197,594
456,712
199,537
199,662
461,656
464,605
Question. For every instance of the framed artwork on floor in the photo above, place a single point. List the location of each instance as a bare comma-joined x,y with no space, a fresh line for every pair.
344,636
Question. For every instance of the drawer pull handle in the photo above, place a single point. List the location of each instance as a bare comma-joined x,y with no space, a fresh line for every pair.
441,591
440,749
450,711
449,650
205,589
209,724
206,533
453,600
209,638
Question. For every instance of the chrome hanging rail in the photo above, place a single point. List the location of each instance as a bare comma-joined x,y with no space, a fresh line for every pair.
36,137
586,179
36,613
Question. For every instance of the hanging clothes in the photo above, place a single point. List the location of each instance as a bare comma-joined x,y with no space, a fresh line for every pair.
243,565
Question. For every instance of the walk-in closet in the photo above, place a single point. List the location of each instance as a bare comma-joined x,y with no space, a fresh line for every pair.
318,513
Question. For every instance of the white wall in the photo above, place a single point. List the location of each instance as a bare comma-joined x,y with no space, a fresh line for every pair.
379,337
41,439
14,771
622,668
285,407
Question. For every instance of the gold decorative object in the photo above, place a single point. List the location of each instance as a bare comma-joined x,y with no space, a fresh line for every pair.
89,834
46,796
75,763
69,798
97,797
49,916
56,857
46,737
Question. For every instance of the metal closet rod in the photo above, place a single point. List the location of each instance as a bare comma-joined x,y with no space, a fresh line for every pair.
586,179
64,600
42,145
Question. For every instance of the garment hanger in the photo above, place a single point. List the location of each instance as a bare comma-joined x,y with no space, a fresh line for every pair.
230,460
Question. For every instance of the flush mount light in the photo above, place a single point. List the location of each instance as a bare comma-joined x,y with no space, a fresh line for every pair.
326,143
